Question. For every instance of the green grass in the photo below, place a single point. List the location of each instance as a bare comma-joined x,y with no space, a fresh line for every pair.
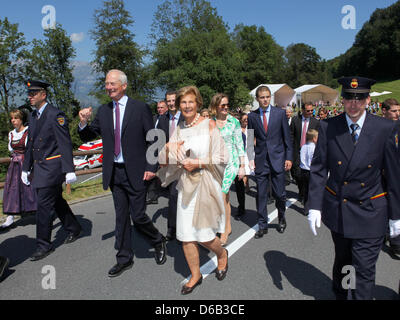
78,191
392,86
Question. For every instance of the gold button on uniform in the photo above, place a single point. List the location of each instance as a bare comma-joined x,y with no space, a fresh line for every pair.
363,185
345,183
369,166
360,203
339,163
345,200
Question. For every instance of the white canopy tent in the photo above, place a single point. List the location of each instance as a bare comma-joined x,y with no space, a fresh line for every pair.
281,95
315,93
377,94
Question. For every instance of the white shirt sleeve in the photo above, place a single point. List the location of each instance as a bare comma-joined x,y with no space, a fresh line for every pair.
9,142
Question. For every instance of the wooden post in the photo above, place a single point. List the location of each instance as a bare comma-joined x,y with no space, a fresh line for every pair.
68,189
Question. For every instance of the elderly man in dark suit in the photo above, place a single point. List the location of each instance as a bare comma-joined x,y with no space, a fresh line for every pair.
354,185
123,125
167,123
273,156
48,160
298,130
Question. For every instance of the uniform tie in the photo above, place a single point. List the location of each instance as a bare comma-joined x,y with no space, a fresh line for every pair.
117,131
265,121
354,135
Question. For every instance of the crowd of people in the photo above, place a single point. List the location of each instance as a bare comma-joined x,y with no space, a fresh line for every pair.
346,169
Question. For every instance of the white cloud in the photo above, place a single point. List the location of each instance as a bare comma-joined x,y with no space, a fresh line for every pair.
77,37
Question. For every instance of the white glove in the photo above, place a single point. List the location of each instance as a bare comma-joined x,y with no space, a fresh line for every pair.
394,227
314,219
70,178
24,178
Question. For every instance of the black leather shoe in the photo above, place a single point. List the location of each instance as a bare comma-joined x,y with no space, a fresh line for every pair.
282,226
260,233
4,262
187,290
161,252
72,237
40,254
119,268
151,201
220,274
171,234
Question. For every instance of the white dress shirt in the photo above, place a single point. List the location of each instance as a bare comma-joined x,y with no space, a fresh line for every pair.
360,123
122,106
306,155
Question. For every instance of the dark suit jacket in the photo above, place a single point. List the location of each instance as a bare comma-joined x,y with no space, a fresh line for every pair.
295,132
49,149
346,198
276,144
136,123
163,124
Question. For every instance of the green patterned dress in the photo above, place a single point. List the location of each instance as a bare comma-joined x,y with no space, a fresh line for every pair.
232,135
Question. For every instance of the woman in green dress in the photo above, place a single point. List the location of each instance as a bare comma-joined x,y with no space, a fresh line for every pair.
230,130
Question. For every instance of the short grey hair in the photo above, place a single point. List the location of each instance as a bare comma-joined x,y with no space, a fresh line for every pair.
289,108
122,76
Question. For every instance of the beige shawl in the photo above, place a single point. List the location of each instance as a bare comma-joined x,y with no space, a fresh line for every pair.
209,205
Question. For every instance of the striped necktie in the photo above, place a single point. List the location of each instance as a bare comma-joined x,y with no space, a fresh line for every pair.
354,135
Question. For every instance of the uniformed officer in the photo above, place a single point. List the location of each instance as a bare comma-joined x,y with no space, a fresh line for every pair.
348,189
48,163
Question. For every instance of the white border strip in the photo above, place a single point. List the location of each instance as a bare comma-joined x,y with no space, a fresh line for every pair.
209,267
91,178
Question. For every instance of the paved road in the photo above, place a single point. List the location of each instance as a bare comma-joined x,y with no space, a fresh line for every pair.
293,265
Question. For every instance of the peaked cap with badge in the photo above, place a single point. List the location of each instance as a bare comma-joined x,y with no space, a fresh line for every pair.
356,88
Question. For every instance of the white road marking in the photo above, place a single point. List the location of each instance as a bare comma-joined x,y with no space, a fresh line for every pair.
91,178
208,268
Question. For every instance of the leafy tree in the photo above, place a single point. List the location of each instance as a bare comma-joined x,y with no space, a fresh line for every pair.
50,60
376,50
263,57
12,55
305,66
192,46
116,49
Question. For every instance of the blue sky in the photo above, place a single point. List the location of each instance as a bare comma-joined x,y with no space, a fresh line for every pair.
316,23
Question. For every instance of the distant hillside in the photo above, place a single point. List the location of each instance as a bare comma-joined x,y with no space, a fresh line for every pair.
84,80
392,86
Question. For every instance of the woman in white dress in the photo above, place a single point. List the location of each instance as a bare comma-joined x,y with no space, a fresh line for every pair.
196,158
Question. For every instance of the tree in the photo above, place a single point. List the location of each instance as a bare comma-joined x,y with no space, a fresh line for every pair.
116,49
193,47
50,60
263,57
12,55
376,50
305,66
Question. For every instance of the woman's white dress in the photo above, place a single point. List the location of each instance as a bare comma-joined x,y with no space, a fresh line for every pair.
196,139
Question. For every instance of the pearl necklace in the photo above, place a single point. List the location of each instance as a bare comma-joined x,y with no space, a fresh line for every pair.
193,122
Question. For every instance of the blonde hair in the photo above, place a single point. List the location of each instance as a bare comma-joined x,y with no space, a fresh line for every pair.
189,90
215,102
311,134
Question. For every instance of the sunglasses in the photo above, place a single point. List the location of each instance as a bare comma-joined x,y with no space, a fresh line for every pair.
225,105
33,93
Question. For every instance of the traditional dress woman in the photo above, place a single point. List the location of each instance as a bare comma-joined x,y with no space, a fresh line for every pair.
18,198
